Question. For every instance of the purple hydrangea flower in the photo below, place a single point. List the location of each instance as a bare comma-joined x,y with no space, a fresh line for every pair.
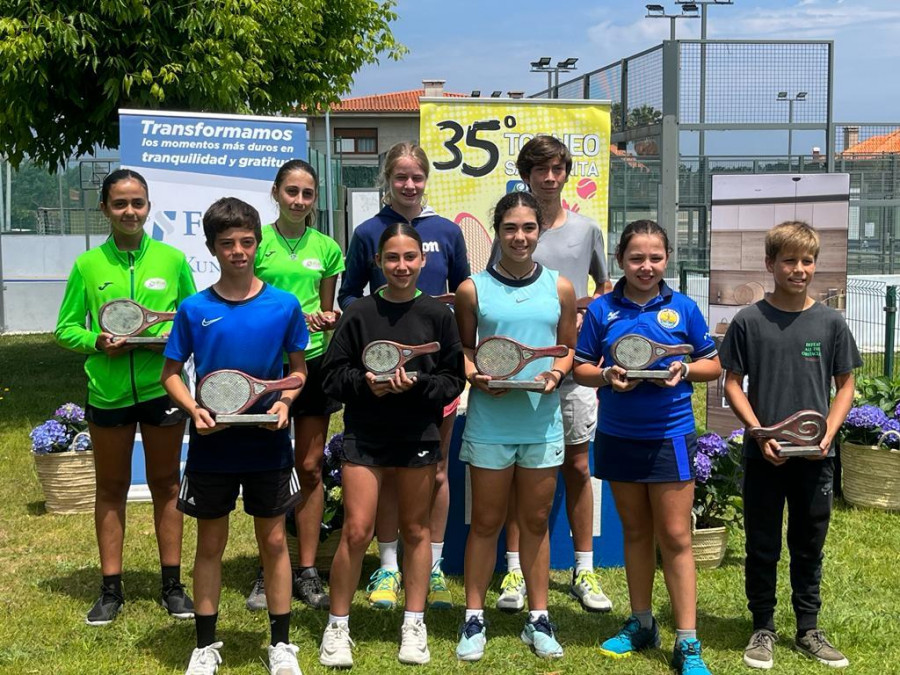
336,476
866,417
736,436
897,412
702,467
335,446
51,436
70,413
891,440
81,443
712,445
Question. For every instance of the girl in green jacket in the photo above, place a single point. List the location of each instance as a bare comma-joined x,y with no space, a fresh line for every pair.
124,388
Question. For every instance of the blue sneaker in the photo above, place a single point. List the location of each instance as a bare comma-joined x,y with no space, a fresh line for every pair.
686,658
539,635
631,638
472,639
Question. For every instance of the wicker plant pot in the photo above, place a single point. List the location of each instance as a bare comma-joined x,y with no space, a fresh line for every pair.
68,481
709,544
871,476
324,554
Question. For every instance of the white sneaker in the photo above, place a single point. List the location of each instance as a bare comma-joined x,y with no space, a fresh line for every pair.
283,659
512,592
334,651
414,643
205,660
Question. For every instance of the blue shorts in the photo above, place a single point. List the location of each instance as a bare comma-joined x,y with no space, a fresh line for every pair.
504,455
639,460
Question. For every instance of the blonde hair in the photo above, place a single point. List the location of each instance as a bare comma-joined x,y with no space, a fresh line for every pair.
792,235
397,152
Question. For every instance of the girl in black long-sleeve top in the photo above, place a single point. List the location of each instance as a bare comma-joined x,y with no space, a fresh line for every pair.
390,424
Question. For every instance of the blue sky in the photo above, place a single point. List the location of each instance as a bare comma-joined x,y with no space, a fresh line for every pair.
488,44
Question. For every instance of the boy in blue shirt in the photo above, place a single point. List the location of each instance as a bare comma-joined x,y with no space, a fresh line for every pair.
243,324
789,347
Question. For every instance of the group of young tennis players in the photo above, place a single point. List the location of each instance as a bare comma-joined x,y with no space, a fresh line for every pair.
272,314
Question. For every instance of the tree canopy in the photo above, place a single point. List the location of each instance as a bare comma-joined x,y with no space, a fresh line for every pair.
67,66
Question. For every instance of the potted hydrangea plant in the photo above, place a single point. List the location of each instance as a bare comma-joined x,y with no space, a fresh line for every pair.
870,445
718,504
61,447
333,514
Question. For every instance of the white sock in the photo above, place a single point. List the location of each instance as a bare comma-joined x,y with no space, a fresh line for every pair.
437,550
512,562
413,617
477,613
584,560
345,620
535,614
387,551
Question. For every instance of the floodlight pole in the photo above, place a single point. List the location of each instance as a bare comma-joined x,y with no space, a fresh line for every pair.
783,96
542,65
703,4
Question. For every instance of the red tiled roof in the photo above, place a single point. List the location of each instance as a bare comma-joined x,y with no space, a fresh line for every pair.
875,145
397,101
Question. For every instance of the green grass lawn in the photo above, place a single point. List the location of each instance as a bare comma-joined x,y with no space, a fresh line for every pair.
49,577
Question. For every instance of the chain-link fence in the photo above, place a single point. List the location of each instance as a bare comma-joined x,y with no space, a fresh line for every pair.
743,80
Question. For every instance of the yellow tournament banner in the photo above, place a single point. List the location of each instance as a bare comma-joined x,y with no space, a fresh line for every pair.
473,144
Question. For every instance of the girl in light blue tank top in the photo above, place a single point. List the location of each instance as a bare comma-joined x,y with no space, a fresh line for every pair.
526,310
513,439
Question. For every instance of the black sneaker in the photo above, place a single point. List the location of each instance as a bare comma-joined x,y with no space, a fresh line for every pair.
177,603
108,605
308,589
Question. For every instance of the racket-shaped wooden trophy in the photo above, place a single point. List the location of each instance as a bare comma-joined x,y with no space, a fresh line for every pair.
635,354
125,318
228,393
383,357
502,357
799,434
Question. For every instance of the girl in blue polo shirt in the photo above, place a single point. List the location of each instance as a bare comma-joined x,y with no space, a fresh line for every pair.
646,439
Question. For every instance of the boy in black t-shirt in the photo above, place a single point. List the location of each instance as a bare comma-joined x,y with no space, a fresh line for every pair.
789,347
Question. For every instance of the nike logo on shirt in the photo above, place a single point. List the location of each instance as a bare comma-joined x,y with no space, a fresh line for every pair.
210,322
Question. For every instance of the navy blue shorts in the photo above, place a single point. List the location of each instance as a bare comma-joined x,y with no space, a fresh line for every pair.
638,460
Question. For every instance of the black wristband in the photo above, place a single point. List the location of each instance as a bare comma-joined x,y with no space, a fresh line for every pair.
562,375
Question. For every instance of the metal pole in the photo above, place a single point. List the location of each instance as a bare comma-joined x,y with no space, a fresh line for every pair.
87,230
702,148
8,196
328,176
549,84
59,189
790,130
890,326
556,83
2,196
672,28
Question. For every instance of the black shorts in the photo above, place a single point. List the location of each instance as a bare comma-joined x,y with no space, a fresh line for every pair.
400,454
157,412
214,495
313,401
